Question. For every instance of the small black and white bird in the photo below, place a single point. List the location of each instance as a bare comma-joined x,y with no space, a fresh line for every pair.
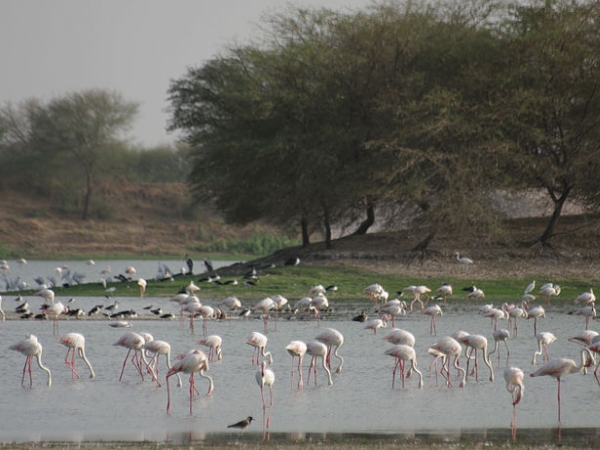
242,424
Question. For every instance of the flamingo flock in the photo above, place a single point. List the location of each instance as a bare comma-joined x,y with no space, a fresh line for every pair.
458,353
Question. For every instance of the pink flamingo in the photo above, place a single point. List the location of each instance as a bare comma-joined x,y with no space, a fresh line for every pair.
587,312
557,369
192,362
544,339
265,377
215,345
549,290
445,348
445,289
514,314
375,324
135,342
332,338
403,353
265,305
595,347
433,311
47,295
317,349
535,313
394,308
297,349
398,336
55,310
513,376
75,342
259,342
158,348
30,347
500,335
476,342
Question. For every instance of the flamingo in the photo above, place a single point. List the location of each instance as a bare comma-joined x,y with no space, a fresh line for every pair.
159,347
374,290
433,310
259,342
265,377
265,305
297,349
586,298
192,362
136,343
535,313
46,294
514,313
445,348
30,347
557,369
477,342
495,314
375,324
403,353
394,308
500,335
476,293
549,290
215,345
445,289
55,309
317,349
544,339
595,347
398,336
231,303
332,338
75,342
417,291
142,284
513,376
588,312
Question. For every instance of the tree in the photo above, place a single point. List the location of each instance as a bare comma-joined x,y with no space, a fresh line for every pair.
552,112
85,125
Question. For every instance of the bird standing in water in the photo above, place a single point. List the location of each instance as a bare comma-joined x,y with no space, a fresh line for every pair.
242,424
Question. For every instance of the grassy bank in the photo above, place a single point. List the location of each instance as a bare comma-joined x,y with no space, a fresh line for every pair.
294,282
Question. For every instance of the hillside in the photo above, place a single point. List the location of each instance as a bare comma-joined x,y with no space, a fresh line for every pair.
155,219
141,219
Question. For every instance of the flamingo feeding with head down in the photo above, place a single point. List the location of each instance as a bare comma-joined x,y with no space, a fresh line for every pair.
317,349
259,342
192,362
445,348
513,376
215,345
30,347
158,347
332,339
136,343
75,342
403,353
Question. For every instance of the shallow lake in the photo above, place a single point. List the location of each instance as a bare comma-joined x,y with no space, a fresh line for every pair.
361,400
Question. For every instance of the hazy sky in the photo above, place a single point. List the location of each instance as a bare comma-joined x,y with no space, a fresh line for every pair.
135,47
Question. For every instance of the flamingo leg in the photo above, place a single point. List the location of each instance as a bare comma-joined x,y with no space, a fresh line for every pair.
124,363
300,382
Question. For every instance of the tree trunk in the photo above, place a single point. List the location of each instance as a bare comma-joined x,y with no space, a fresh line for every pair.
559,203
327,225
305,234
366,224
87,197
